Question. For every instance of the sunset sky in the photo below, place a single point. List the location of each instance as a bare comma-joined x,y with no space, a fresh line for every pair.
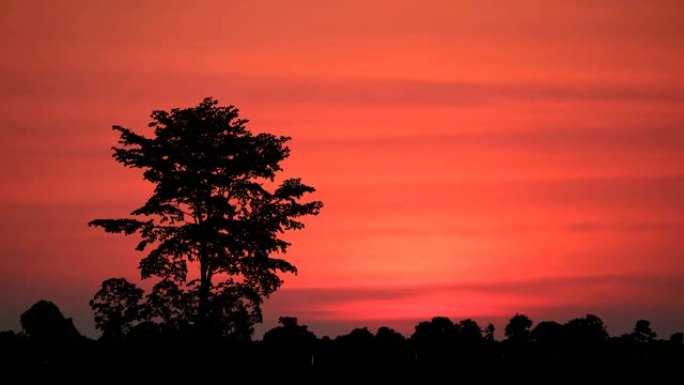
476,158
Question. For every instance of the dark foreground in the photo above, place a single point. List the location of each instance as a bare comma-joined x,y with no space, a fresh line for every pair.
339,359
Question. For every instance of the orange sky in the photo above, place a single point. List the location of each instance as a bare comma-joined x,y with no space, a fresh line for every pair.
476,158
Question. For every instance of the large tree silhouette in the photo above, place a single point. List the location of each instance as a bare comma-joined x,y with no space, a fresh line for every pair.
214,222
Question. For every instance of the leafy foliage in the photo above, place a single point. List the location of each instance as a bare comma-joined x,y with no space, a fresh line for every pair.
289,332
116,307
518,328
589,329
45,324
643,332
213,226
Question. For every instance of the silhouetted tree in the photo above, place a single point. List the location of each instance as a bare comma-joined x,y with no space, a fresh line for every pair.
434,341
212,208
489,332
389,337
170,305
8,337
677,338
291,345
547,333
116,307
587,330
357,337
518,329
439,330
356,348
289,332
233,311
468,333
643,332
390,347
44,323
288,321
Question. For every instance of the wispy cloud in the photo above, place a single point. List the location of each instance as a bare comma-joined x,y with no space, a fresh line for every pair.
670,287
625,227
87,84
544,140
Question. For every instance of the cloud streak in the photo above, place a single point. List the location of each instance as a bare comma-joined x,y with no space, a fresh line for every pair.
86,85
544,139
670,286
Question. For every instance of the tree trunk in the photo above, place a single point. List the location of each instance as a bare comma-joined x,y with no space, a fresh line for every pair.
203,317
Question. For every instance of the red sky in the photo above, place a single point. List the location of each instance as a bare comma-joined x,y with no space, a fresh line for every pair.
476,158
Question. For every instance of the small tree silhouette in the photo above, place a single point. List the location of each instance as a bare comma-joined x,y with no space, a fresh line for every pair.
290,332
389,337
439,330
212,210
116,307
518,329
643,332
489,332
548,333
677,338
45,324
468,333
588,330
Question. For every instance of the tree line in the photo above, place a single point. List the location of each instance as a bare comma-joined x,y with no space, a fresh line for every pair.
50,342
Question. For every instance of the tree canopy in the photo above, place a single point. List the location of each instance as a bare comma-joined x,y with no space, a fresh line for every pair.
45,324
518,328
212,229
116,307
